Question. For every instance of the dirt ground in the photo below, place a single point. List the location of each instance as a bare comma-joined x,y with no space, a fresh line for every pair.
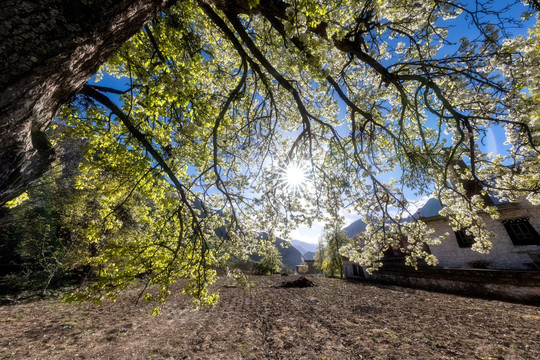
337,319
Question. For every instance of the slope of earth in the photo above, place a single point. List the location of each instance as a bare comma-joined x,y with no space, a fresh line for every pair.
336,319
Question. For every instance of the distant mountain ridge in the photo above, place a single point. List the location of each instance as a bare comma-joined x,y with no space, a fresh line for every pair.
303,246
290,256
430,208
355,228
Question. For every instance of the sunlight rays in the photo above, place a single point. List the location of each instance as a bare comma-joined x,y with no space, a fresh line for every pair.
294,178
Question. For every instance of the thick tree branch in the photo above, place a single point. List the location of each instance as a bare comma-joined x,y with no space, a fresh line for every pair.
276,75
51,49
91,92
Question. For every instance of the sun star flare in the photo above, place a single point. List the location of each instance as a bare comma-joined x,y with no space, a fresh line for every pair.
295,175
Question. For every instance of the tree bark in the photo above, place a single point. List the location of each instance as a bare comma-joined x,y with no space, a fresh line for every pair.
49,49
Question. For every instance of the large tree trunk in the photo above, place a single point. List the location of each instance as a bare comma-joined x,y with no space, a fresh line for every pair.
49,49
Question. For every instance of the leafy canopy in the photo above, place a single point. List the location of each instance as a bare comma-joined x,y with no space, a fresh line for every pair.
221,96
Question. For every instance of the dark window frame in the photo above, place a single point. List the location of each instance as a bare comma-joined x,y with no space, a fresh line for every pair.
355,269
464,241
521,232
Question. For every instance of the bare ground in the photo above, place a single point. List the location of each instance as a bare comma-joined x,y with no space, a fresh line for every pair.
337,319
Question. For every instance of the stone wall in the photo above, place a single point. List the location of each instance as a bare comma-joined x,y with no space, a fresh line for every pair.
503,255
520,286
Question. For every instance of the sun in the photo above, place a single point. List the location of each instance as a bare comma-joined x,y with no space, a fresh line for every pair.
294,175
294,178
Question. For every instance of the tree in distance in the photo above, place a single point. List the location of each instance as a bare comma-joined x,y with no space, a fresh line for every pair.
220,99
329,260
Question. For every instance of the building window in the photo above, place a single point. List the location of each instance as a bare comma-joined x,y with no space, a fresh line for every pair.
521,232
463,239
357,270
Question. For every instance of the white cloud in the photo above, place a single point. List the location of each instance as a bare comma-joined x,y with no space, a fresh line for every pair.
308,234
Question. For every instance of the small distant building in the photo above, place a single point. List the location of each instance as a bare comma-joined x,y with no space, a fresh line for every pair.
311,266
301,269
308,267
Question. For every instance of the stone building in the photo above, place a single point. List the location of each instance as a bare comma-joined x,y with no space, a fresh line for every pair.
503,273
516,244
